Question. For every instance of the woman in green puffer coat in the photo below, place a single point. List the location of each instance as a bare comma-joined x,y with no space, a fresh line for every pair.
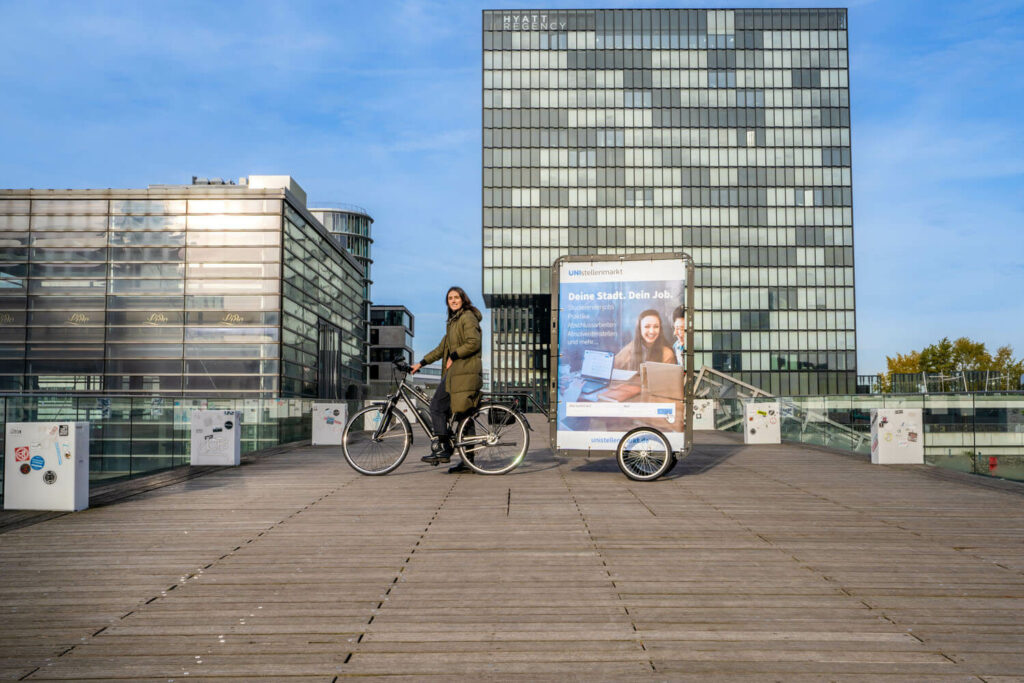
462,376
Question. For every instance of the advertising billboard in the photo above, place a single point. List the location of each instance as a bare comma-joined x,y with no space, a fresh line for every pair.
622,352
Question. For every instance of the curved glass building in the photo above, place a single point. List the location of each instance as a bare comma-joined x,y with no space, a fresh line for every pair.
350,227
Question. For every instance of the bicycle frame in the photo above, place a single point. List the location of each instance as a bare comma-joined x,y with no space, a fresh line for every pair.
408,393
405,393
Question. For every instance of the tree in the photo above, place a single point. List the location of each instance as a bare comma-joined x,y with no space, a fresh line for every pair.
909,363
948,357
938,357
970,355
1009,367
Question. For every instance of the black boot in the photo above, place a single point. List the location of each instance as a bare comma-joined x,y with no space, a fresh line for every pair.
440,451
462,466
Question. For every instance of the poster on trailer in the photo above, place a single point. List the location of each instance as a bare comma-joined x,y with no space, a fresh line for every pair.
622,338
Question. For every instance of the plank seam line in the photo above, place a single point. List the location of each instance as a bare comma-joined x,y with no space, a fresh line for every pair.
864,514
194,575
641,501
604,562
796,559
402,567
105,498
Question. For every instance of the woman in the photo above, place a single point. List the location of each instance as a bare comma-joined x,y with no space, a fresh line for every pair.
462,376
648,344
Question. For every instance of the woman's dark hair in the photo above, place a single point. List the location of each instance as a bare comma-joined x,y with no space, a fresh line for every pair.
466,303
639,352
680,312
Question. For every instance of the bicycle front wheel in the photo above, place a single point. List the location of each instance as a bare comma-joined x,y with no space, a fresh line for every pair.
371,453
493,440
644,454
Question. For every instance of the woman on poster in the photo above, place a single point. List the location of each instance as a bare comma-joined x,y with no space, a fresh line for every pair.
648,344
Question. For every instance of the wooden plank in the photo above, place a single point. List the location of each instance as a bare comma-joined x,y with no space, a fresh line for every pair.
747,563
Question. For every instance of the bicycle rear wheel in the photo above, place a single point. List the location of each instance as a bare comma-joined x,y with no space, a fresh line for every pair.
493,439
644,454
372,454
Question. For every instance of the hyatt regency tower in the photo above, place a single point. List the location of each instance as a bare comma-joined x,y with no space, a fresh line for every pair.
722,133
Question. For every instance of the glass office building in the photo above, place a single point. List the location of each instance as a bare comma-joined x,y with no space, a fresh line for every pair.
722,133
210,289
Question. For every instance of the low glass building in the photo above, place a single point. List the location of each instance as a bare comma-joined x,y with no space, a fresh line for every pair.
211,289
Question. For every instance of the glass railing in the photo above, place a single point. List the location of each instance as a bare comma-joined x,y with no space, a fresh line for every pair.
132,436
982,433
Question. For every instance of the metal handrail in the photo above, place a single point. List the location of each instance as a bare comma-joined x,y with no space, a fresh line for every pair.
342,206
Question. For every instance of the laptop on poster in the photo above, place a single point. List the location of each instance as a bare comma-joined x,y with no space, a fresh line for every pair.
597,370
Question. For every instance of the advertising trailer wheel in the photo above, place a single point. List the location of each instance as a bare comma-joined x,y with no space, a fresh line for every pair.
644,454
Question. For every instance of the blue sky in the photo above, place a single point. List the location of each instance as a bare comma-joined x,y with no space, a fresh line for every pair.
378,104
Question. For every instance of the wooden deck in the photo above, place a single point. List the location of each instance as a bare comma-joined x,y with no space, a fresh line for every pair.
759,563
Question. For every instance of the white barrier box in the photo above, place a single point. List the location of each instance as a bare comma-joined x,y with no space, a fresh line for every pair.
704,414
216,437
897,436
402,406
46,466
762,423
328,423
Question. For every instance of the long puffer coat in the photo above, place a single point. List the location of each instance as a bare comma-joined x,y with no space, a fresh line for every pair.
464,379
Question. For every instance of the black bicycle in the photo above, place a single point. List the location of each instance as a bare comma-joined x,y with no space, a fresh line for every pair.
493,439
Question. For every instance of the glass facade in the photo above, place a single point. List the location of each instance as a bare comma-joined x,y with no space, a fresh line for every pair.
212,290
324,323
722,133
350,226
